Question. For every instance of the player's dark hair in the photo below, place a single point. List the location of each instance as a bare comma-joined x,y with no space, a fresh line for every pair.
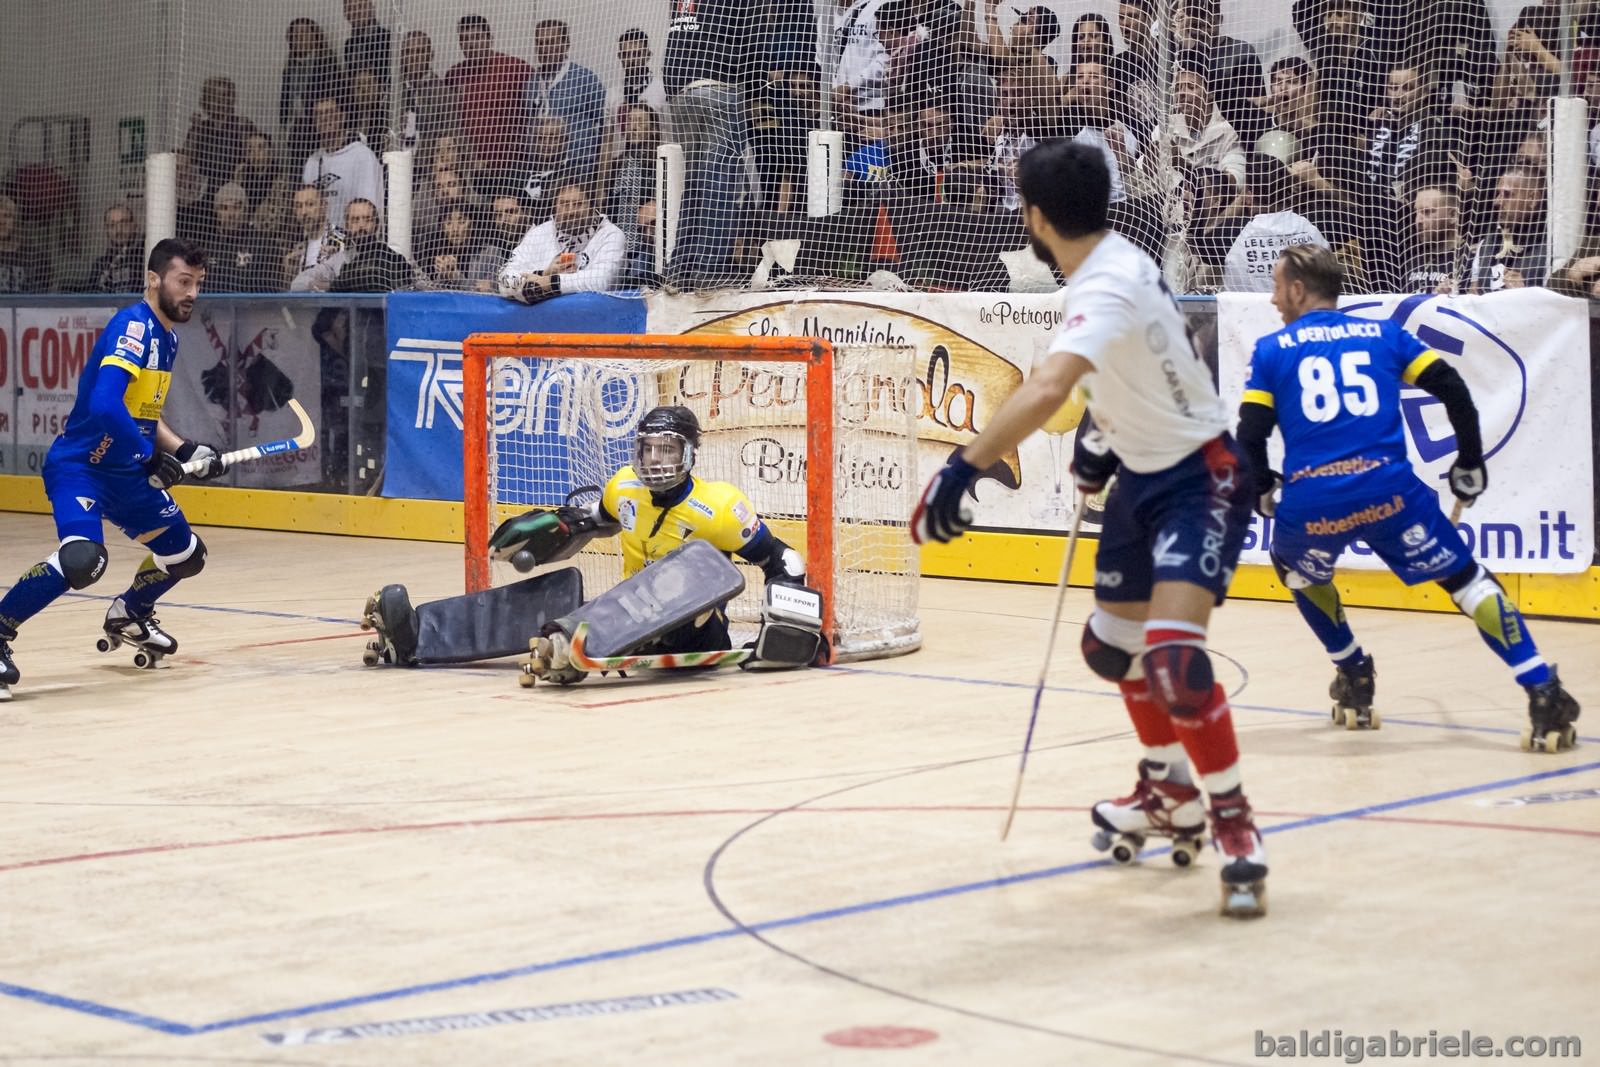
1295,64
634,34
1069,182
556,24
1317,268
472,22
171,248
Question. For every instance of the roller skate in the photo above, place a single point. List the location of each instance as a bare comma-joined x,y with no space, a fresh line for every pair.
1244,859
9,675
549,660
1352,691
388,613
152,643
1551,713
1155,808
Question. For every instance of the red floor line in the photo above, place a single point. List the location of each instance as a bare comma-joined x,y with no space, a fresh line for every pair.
298,640
189,846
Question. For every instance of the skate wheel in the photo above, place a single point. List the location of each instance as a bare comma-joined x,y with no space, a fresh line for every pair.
104,645
1126,850
1553,739
1569,737
1527,739
369,658
1338,715
1375,720
1351,720
144,661
1246,900
526,680
1100,841
1184,853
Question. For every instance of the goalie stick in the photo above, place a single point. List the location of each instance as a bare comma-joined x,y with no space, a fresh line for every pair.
304,439
543,650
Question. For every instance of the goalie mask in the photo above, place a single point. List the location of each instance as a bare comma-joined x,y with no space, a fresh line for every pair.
663,450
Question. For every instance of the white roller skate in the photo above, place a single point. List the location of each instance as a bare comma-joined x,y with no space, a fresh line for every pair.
1244,859
9,675
1352,691
1155,808
1551,714
152,643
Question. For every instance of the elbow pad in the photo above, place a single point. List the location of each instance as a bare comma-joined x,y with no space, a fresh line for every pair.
1443,382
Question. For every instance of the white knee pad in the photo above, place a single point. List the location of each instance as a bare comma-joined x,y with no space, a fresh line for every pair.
1124,634
1481,588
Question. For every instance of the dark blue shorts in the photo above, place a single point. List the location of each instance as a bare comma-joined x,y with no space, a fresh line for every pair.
1398,516
82,496
1184,524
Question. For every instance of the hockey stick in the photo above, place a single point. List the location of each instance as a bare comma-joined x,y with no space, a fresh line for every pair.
301,440
1044,668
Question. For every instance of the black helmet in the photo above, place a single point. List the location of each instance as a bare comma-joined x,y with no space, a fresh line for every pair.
663,448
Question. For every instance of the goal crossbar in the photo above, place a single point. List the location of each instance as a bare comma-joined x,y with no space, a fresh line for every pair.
480,349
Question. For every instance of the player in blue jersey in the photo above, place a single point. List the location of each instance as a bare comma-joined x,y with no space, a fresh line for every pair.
1331,382
116,459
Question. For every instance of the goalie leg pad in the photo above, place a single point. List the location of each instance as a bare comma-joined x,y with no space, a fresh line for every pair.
493,623
676,589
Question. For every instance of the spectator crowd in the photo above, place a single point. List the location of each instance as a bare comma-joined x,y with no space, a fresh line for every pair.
1399,133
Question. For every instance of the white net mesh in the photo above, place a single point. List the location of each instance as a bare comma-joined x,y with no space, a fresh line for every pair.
821,140
559,424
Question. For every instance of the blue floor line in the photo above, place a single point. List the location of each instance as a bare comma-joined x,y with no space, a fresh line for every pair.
809,918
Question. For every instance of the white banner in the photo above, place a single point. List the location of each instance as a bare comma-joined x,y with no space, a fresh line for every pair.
973,350
52,346
1525,355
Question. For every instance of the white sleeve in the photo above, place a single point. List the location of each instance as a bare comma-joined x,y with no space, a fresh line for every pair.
1096,321
531,256
372,182
606,251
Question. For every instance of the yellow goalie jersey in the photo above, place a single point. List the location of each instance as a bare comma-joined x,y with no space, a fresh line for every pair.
705,511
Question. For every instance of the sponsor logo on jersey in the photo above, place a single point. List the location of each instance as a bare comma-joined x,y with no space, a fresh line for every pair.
100,449
742,512
1415,535
170,510
1107,579
128,344
1358,465
1438,561
628,514
86,503
702,507
1076,321
134,329
1344,524
1155,338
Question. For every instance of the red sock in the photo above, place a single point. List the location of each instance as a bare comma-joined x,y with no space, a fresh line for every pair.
1208,737
1153,725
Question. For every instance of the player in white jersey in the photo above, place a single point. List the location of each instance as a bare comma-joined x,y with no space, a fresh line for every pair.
1174,521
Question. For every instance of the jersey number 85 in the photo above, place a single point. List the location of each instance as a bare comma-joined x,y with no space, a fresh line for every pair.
1321,397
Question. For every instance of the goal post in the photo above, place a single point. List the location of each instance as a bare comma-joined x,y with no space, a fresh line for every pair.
819,437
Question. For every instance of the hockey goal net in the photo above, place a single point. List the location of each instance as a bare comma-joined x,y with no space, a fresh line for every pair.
819,437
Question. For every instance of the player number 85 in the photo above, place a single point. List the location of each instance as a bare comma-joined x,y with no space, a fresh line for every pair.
1320,395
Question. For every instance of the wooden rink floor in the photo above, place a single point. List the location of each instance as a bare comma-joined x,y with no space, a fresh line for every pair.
256,855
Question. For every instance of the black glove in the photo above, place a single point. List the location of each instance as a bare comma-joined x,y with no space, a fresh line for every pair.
941,514
1468,480
209,454
1093,462
1268,482
164,469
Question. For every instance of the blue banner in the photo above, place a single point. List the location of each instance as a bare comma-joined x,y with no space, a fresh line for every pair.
424,402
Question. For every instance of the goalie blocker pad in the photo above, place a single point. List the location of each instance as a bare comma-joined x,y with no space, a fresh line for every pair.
681,585
536,538
791,628
462,629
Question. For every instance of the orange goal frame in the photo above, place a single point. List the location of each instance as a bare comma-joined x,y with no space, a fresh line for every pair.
815,354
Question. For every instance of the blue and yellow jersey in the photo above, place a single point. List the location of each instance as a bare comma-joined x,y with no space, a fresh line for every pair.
1334,382
134,341
704,511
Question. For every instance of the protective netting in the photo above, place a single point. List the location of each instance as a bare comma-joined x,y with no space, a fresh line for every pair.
562,424
819,142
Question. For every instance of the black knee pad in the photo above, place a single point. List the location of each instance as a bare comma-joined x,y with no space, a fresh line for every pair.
1181,679
82,562
1454,583
1108,661
190,565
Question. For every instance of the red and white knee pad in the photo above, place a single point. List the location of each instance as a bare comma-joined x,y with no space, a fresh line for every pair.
1178,669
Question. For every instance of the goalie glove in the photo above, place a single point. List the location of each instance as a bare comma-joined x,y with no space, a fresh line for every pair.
1093,462
791,628
535,538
